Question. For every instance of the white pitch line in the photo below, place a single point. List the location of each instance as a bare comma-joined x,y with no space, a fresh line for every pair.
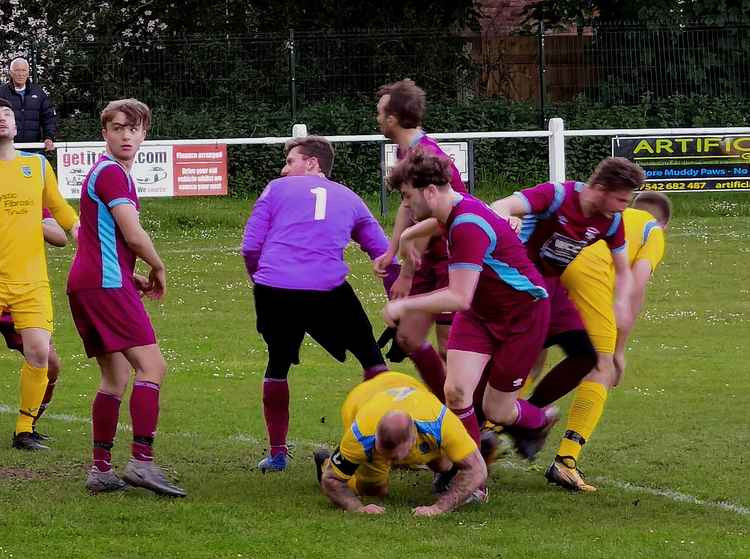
675,496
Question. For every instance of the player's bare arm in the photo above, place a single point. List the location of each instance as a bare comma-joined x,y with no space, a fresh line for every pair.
510,206
472,473
414,240
337,490
641,271
623,288
53,233
140,243
456,297
403,221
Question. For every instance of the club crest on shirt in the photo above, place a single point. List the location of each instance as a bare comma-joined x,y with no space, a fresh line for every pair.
26,170
591,233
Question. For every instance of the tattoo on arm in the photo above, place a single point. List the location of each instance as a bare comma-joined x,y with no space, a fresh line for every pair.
472,472
338,492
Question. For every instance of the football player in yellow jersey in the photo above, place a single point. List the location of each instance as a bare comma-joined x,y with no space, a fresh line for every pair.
27,185
590,283
395,419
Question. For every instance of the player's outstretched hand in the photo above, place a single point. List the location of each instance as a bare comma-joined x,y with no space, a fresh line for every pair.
381,263
392,312
157,279
432,510
372,508
401,287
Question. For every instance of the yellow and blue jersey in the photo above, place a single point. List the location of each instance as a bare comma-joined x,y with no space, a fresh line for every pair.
27,185
590,278
439,431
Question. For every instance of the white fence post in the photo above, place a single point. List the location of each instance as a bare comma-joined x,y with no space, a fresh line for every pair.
299,130
556,150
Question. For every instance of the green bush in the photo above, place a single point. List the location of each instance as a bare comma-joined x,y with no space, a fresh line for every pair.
505,161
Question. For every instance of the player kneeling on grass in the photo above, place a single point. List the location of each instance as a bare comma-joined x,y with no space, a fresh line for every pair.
394,419
501,302
105,299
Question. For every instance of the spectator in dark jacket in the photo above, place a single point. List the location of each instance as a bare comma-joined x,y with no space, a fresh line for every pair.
35,114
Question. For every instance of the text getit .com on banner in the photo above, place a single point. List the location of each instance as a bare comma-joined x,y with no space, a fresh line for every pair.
161,170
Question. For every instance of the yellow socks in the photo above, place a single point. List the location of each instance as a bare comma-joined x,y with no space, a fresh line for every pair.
587,408
33,385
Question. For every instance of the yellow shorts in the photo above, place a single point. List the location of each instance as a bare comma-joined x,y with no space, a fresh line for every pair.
30,305
592,296
366,390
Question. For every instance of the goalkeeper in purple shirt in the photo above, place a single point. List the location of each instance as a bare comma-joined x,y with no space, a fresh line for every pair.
294,254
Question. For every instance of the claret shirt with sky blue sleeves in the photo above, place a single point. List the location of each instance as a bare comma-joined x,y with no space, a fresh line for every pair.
480,240
555,229
103,258
298,231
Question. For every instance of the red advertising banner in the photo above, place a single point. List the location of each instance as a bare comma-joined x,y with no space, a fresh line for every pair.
200,170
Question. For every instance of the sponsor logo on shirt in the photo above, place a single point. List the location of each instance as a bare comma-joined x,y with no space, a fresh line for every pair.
591,233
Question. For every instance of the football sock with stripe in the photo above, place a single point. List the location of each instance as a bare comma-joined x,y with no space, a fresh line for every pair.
144,413
32,386
529,416
585,412
104,414
469,419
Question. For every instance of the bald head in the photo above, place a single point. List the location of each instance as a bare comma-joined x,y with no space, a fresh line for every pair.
394,430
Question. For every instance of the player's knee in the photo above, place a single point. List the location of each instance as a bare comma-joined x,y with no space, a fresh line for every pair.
36,354
456,396
154,370
408,341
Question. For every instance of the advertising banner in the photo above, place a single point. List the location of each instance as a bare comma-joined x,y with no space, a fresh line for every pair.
158,171
689,163
457,151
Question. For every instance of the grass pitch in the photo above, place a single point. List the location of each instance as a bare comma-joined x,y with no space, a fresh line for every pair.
670,456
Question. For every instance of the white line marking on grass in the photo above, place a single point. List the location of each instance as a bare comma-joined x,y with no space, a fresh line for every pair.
675,496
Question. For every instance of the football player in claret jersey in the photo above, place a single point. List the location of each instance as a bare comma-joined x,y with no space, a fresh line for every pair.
293,248
559,220
105,299
390,420
54,235
401,106
590,283
501,305
27,185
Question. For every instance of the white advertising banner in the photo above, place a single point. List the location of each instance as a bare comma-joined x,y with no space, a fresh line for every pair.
155,171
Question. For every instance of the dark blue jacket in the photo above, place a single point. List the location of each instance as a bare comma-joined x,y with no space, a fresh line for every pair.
35,114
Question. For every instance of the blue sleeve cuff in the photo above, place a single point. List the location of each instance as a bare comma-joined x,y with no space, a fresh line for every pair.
119,202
